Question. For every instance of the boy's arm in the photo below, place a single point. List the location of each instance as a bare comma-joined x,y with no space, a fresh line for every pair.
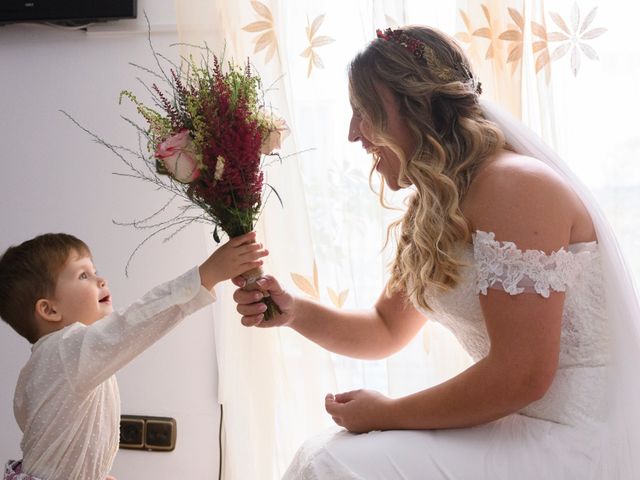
91,354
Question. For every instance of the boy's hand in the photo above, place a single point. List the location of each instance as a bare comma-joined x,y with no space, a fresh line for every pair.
237,256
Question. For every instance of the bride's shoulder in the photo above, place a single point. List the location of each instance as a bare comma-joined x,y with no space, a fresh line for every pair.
508,167
520,198
511,177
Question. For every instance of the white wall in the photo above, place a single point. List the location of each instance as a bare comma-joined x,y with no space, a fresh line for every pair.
53,178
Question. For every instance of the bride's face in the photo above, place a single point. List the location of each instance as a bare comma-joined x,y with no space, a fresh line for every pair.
361,129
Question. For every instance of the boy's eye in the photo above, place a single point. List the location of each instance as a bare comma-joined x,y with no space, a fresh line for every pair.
83,276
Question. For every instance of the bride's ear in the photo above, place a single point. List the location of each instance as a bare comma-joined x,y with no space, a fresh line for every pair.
46,310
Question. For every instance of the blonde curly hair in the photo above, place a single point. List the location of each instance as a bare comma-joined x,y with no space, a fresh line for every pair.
439,102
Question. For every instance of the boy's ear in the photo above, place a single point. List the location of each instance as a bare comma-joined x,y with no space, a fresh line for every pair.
46,310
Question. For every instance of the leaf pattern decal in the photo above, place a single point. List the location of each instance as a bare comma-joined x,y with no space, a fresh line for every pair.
338,299
314,43
311,286
267,39
308,285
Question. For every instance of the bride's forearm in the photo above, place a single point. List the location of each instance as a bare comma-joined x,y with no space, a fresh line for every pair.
359,334
484,392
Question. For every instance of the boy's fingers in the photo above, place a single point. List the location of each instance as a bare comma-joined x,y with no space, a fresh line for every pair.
254,253
251,265
250,247
241,239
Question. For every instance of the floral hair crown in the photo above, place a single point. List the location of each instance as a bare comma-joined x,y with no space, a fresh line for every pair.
426,55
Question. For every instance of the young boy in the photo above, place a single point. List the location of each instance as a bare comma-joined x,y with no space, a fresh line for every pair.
66,401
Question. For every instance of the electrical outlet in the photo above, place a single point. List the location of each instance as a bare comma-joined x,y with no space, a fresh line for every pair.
160,434
132,432
142,432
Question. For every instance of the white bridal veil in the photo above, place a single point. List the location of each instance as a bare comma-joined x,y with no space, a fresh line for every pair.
618,442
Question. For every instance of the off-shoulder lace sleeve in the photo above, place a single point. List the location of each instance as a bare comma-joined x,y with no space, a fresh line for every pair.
504,266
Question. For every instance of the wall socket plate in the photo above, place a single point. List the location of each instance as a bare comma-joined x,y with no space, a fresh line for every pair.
143,432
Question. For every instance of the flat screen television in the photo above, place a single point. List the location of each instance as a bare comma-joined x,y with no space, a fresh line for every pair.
66,12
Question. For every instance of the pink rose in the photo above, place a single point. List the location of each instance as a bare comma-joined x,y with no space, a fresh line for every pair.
278,133
177,156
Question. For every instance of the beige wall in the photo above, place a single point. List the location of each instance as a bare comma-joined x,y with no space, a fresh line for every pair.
55,179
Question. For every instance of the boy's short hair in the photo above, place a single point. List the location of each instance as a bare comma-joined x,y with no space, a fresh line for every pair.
29,272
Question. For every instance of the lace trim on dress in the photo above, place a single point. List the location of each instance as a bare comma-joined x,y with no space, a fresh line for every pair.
503,265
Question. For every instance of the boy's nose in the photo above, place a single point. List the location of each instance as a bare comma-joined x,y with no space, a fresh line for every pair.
102,282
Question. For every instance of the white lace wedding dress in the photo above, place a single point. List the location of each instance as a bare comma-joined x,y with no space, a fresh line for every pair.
551,438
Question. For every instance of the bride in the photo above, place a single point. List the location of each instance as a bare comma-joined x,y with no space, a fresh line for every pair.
502,245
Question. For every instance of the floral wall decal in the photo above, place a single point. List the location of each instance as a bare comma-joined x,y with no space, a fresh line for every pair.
465,36
314,43
516,36
268,38
573,39
540,47
488,32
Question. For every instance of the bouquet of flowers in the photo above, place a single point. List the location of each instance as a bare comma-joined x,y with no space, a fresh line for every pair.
211,139
208,138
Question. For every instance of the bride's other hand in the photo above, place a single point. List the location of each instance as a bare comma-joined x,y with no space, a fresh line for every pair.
359,411
251,307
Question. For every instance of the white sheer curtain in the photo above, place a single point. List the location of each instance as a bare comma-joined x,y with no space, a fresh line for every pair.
326,241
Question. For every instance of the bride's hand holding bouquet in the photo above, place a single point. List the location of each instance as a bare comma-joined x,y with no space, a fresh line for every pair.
252,309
